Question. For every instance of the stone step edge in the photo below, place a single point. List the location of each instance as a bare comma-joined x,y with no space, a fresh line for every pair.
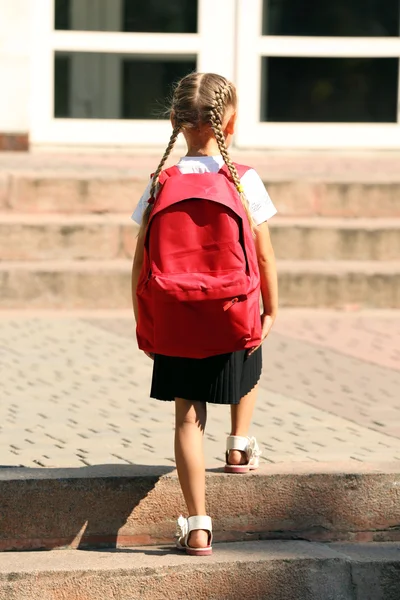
70,508
274,570
119,219
81,284
10,175
126,313
307,198
284,266
28,237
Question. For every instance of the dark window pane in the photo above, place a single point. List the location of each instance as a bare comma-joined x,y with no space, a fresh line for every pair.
338,17
156,79
62,14
174,16
61,86
348,90
149,16
89,85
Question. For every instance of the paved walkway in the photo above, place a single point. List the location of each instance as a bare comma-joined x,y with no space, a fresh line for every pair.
74,392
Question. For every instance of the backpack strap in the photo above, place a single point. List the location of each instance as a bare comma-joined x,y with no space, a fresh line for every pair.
171,172
241,169
163,176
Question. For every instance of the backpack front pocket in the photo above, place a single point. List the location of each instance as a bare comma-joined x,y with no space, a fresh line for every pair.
201,316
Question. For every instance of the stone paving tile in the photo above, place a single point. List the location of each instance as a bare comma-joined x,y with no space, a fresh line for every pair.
75,392
359,391
371,336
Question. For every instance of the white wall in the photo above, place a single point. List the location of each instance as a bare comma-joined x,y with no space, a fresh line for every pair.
15,39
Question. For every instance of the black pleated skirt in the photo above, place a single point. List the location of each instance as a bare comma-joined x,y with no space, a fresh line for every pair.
222,379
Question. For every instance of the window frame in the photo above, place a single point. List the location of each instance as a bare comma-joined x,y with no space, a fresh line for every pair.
212,44
252,46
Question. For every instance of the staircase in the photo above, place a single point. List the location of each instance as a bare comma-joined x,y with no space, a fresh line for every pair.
66,239
287,532
253,570
301,531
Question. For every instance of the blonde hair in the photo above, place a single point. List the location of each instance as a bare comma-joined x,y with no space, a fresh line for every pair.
201,99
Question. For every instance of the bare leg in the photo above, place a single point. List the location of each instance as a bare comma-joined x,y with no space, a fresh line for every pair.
190,422
241,415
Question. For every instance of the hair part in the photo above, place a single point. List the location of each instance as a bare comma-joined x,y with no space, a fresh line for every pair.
201,99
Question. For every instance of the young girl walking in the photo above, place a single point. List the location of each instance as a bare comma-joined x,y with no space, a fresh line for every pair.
203,257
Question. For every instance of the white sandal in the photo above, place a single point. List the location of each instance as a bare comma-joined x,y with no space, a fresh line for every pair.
243,444
186,526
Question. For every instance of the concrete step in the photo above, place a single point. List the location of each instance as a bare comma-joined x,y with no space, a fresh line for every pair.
254,570
336,239
38,192
133,505
66,237
94,237
106,284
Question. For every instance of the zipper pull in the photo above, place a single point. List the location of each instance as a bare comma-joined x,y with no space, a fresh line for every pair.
229,304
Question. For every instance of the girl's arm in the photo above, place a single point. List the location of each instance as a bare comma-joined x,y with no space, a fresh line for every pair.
136,269
268,277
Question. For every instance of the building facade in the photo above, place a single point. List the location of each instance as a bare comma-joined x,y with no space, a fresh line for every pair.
97,72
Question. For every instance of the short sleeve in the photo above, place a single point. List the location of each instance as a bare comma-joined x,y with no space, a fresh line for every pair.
137,215
261,206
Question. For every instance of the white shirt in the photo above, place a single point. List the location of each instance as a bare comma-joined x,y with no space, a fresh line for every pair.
260,203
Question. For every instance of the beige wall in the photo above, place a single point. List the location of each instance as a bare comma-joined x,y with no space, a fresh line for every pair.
15,33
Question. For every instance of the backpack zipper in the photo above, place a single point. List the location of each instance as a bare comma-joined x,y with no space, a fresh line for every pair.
229,304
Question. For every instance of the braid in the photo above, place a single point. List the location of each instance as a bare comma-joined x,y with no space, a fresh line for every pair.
172,140
154,182
216,115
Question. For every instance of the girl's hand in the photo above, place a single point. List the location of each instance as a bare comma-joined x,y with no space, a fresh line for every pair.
266,323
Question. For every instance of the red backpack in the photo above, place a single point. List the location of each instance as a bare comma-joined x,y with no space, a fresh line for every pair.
199,289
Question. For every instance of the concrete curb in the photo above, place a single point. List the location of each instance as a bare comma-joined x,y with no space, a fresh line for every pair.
137,505
256,570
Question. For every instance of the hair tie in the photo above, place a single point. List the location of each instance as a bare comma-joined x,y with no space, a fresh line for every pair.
240,189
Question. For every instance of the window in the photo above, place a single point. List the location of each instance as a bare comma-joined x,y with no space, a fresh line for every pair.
149,16
329,90
102,70
94,85
367,18
318,75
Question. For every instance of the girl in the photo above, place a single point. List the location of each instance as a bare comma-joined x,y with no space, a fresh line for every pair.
204,110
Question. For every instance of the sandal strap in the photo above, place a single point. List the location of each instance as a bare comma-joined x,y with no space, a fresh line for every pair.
199,522
237,442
